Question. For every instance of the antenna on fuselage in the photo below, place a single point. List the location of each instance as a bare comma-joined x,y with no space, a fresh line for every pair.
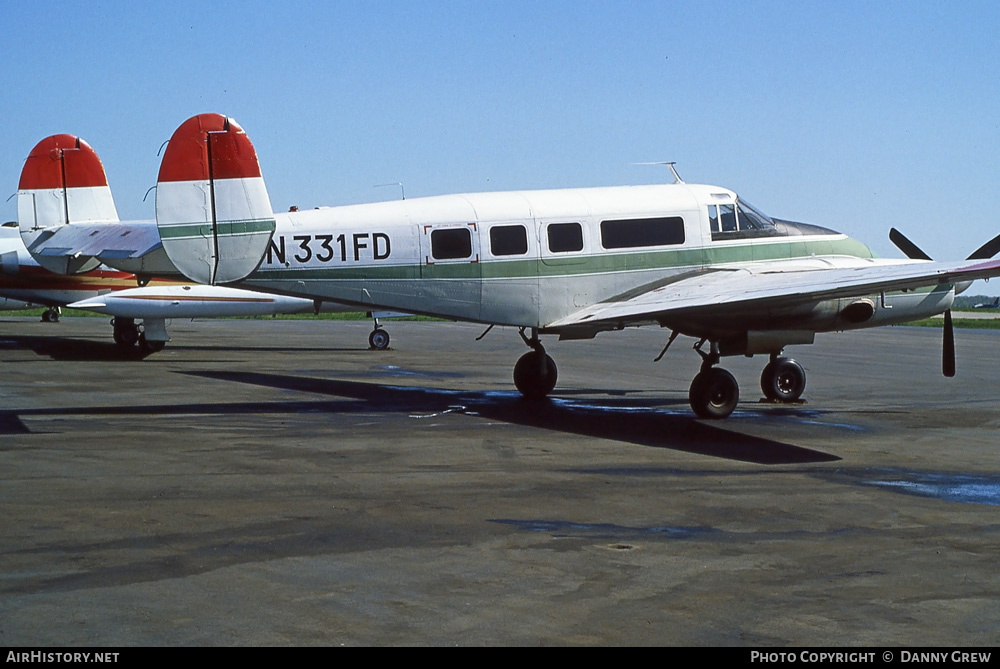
670,165
394,183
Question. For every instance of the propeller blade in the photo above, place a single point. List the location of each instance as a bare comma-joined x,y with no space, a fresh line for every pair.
948,350
987,250
909,249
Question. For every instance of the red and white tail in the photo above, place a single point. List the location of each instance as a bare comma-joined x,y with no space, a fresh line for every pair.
62,183
212,209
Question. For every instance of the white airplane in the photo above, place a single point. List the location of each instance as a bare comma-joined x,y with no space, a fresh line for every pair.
696,259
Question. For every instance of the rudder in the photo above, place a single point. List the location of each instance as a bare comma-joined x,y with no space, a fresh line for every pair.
212,208
62,183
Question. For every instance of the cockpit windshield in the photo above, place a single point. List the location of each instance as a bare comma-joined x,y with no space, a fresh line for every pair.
751,218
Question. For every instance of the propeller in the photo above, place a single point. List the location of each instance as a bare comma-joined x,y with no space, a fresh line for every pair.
909,249
948,348
913,252
987,250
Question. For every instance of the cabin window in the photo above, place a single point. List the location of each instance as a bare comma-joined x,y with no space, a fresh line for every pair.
565,237
508,240
451,243
639,232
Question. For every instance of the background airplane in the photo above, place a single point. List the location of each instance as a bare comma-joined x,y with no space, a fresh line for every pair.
696,259
23,280
24,284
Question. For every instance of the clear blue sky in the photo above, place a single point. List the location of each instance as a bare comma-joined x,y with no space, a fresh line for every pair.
855,115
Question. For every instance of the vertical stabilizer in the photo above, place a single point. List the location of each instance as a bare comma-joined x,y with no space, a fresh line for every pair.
212,208
62,183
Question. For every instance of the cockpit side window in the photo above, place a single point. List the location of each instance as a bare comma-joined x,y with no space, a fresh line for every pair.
727,216
739,221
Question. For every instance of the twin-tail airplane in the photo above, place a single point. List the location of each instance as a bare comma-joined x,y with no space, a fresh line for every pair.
63,170
696,259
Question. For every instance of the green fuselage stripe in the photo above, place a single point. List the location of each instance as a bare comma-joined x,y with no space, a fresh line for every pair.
224,228
572,265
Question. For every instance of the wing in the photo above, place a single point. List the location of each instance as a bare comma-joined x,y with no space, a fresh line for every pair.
758,287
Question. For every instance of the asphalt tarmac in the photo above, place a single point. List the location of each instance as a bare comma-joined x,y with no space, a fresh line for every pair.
276,483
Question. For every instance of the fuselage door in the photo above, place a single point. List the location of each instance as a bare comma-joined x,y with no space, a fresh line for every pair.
451,258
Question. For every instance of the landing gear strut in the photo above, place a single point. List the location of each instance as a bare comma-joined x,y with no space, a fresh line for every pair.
714,392
783,380
378,339
535,373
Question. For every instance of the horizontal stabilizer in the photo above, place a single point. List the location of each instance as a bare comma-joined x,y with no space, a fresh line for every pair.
98,240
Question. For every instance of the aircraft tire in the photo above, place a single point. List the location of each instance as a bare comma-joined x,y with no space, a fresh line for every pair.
150,346
378,340
126,334
714,393
534,377
783,380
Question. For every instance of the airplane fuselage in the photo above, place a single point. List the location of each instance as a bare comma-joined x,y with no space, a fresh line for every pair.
532,258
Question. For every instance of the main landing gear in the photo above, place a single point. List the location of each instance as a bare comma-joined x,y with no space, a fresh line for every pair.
51,315
127,334
783,380
714,392
535,373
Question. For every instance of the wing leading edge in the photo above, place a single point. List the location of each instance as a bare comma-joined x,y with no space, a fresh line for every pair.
724,291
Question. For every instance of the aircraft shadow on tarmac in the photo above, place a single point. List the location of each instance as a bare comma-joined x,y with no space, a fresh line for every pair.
72,350
68,349
619,418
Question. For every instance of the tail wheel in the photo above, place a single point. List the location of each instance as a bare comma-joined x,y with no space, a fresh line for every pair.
378,339
535,375
714,393
783,380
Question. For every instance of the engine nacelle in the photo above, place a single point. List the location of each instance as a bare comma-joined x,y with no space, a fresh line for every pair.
754,342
